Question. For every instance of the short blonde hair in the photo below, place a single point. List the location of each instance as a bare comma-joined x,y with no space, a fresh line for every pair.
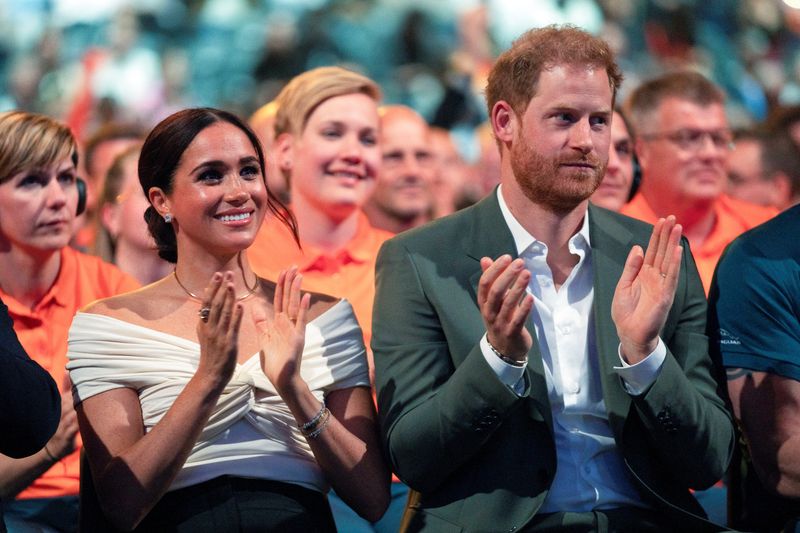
301,96
31,141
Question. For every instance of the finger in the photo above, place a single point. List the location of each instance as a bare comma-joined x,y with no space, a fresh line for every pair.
652,245
521,312
676,252
503,283
209,294
235,324
513,296
277,299
662,252
294,297
302,314
287,289
491,269
633,264
226,310
218,302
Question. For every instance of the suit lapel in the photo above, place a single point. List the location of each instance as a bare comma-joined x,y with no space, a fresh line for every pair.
611,243
489,236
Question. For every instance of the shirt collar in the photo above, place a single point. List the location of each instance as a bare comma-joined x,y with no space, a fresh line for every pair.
523,240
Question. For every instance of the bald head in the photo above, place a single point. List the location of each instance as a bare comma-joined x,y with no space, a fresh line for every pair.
402,196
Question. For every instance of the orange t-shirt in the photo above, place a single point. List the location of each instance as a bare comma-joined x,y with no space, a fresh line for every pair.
733,217
42,331
348,273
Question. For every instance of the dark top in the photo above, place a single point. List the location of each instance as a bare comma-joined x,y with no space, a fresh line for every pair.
30,404
754,323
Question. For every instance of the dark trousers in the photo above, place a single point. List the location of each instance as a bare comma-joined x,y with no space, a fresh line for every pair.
622,520
233,504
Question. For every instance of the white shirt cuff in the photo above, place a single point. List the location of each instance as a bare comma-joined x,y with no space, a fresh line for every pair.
510,375
637,378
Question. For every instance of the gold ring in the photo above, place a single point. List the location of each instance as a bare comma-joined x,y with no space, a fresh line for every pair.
204,312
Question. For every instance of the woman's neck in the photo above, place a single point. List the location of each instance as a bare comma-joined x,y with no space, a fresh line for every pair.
34,275
144,265
193,272
320,230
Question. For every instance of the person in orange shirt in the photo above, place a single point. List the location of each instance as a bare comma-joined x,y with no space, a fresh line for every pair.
44,282
327,146
682,142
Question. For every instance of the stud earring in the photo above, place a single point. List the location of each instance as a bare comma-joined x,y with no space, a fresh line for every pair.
168,218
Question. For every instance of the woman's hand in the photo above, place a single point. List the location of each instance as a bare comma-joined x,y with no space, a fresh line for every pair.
218,330
283,340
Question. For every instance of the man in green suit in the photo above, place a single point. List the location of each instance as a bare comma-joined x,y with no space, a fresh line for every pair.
536,368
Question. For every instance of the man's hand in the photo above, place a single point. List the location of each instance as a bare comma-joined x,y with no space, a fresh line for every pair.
505,305
646,290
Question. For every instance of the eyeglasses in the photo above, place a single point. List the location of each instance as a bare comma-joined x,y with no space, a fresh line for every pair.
694,140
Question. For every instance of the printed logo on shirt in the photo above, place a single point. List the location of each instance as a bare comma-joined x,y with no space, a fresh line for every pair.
726,337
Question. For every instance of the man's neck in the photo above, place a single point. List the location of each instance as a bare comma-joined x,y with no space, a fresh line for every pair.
384,220
554,229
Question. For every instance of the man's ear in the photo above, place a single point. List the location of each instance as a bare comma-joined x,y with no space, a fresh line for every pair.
504,122
782,190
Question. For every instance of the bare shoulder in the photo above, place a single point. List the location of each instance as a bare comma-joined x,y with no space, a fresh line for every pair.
320,302
139,306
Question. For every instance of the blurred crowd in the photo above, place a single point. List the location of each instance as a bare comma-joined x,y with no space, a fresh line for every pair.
93,62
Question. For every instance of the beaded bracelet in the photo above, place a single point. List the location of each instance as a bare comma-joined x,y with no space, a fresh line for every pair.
311,424
320,426
506,359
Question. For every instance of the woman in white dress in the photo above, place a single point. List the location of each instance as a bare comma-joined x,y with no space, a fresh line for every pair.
213,400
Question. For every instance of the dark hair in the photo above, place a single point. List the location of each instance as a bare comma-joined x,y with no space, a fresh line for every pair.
515,74
161,154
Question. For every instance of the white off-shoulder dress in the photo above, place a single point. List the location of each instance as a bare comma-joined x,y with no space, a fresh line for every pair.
251,432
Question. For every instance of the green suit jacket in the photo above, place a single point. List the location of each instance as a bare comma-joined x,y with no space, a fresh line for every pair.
481,458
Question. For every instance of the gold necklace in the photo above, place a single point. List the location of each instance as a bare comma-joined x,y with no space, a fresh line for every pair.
250,290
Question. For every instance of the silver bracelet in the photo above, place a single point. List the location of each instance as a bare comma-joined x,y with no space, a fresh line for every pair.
312,424
323,422
506,359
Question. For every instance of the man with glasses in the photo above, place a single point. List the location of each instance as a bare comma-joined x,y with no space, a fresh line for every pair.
682,142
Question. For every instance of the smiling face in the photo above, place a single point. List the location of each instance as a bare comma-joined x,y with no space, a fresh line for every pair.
38,208
335,159
403,188
218,194
560,149
675,176
616,185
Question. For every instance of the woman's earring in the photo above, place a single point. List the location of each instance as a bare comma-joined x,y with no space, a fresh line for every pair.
168,218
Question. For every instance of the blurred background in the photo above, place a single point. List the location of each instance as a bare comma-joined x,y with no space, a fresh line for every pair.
91,62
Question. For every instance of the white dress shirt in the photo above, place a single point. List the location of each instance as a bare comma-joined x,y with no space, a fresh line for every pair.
590,472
